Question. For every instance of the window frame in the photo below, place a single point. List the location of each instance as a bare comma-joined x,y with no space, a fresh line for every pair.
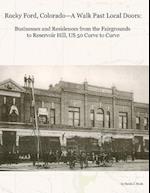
74,111
100,117
53,117
139,122
108,122
123,116
146,126
92,117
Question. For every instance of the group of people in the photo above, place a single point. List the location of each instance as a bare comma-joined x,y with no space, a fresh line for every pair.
9,157
70,157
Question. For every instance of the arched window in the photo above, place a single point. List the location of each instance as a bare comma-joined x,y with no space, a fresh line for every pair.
100,117
107,124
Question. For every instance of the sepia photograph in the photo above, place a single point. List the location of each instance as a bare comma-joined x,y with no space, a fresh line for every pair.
74,118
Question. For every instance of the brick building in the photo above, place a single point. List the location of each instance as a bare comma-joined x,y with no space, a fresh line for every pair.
72,115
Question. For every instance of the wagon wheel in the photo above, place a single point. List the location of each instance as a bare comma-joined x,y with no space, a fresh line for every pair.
107,163
111,162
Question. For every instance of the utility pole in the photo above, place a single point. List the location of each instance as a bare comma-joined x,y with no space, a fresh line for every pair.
30,81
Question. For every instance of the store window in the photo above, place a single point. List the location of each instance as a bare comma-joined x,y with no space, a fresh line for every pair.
123,120
74,116
92,118
107,124
100,117
52,116
138,122
145,123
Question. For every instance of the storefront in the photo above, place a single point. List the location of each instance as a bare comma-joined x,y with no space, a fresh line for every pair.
28,144
9,141
83,144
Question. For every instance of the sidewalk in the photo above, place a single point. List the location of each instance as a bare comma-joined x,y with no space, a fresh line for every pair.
24,166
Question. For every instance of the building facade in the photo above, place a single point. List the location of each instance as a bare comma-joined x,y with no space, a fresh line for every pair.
72,115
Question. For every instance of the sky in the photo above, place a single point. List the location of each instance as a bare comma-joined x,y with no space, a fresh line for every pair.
127,78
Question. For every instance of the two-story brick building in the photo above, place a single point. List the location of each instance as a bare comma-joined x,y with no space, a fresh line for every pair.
71,115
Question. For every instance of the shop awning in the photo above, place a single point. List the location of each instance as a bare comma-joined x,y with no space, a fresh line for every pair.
82,135
122,136
146,137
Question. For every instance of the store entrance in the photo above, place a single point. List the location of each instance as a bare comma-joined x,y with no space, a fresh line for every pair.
9,141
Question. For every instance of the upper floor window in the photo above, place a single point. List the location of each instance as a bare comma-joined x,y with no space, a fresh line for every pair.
43,119
138,122
107,124
5,100
9,110
100,117
74,116
43,115
52,116
4,112
123,120
145,123
92,118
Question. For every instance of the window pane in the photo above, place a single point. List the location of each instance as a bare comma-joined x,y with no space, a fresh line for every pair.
52,116
107,124
92,115
145,121
70,115
120,122
76,115
100,111
76,123
92,123
70,122
52,121
107,118
101,124
100,117
124,125
137,120
125,119
52,112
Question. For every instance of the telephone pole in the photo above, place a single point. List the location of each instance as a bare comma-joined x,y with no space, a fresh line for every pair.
30,84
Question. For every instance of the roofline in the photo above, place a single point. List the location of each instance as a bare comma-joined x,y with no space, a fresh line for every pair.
10,80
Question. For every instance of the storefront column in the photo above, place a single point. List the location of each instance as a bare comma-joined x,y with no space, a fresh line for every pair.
132,116
22,109
17,140
85,104
113,111
100,141
63,140
1,138
85,111
114,107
